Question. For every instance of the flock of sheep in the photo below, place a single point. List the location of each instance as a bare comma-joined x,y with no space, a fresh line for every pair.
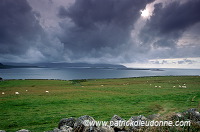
183,86
16,93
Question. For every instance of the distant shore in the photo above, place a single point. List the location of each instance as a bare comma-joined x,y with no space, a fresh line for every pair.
108,78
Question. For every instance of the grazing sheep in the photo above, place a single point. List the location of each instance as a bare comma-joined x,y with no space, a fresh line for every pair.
184,87
156,86
16,93
159,86
3,93
47,91
174,86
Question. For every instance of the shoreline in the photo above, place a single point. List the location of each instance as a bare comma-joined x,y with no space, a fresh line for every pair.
111,78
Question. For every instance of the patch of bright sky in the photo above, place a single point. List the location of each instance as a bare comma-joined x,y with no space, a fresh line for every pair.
188,63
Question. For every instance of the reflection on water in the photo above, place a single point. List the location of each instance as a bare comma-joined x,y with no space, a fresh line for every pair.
88,73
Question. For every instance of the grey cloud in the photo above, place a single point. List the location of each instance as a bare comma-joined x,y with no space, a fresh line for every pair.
179,16
18,26
62,12
97,30
168,23
99,25
87,13
21,36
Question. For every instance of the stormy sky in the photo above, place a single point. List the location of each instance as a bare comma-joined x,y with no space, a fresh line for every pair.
98,31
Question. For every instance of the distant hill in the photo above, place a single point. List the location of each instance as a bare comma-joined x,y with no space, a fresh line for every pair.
2,66
60,65
79,65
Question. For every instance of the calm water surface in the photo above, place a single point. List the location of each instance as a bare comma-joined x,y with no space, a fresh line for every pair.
88,73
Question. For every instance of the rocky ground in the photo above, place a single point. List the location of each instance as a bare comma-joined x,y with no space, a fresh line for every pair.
80,124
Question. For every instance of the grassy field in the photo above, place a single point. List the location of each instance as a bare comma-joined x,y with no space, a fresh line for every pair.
35,109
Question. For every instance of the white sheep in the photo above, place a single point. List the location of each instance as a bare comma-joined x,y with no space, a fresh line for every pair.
47,91
16,93
3,93
184,87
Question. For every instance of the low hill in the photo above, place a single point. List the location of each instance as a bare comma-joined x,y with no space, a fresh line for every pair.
60,65
2,66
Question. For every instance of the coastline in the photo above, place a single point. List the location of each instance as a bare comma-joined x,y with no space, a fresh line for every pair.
110,78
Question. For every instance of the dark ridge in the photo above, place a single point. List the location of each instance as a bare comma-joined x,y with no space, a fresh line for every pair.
62,65
2,66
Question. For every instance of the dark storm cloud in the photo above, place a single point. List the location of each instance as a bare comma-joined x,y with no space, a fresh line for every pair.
18,27
168,23
99,27
178,17
109,31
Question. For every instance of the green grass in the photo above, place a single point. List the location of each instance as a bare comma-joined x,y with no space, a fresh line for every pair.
39,111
